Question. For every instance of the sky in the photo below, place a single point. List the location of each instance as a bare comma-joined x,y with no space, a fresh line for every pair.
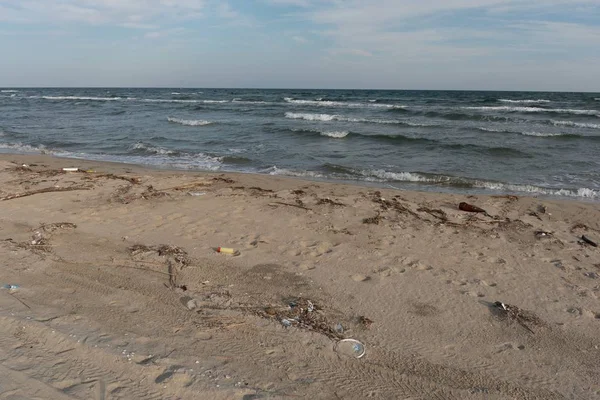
362,44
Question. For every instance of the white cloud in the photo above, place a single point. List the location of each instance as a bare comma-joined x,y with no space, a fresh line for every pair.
119,12
299,39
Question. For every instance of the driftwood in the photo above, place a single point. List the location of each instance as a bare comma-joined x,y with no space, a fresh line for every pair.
290,205
44,190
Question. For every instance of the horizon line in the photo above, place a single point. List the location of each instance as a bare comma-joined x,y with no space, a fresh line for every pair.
292,88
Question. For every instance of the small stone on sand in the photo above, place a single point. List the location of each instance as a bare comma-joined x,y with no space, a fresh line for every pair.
359,278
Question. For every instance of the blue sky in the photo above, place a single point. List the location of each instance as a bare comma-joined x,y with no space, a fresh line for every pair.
381,44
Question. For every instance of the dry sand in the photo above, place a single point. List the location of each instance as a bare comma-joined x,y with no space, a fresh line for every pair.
122,295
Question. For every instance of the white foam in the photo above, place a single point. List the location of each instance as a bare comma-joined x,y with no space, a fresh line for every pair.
183,101
77,98
526,101
175,93
482,128
581,192
575,124
152,149
188,122
336,135
312,117
382,175
288,172
25,148
334,117
324,103
542,134
535,110
9,91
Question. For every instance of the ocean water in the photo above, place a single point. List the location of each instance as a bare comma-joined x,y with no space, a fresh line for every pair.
451,141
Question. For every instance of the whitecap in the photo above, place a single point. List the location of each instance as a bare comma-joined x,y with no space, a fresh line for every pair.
535,110
524,101
575,124
189,122
335,134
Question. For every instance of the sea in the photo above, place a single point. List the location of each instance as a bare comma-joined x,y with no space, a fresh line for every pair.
530,143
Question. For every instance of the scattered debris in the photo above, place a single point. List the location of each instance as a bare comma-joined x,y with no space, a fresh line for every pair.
522,317
471,208
541,209
437,213
130,179
70,169
589,241
195,194
301,313
176,259
298,192
366,322
44,190
534,214
373,220
259,189
542,234
350,347
150,192
227,250
339,328
286,322
274,204
224,180
10,286
591,275
330,202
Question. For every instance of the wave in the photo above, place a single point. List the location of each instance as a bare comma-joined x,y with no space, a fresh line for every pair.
333,117
459,116
90,98
183,101
327,103
335,134
240,101
546,134
24,148
525,101
535,110
9,91
536,134
342,134
149,149
383,176
188,122
575,124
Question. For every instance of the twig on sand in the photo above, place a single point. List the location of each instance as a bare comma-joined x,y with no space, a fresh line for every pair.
290,205
44,190
132,180
19,300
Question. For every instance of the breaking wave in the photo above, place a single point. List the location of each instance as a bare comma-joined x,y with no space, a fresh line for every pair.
188,122
327,103
535,110
524,101
149,149
575,124
333,117
383,176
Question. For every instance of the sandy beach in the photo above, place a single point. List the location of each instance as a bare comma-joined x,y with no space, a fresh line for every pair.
122,295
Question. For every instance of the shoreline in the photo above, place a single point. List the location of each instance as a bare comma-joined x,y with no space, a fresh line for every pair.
116,289
411,186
